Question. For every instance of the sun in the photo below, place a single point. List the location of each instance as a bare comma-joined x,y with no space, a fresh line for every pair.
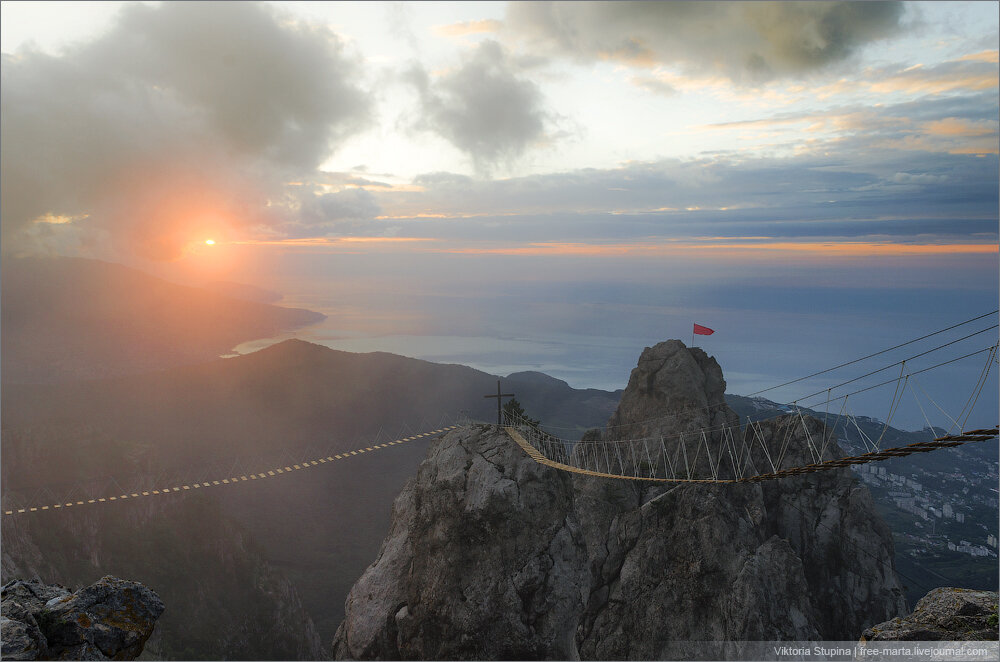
210,242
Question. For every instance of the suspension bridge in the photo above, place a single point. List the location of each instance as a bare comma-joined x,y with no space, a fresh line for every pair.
793,444
790,445
620,461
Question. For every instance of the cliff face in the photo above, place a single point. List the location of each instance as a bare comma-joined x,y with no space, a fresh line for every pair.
493,556
484,560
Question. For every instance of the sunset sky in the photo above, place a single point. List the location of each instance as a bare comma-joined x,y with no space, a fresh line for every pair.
530,185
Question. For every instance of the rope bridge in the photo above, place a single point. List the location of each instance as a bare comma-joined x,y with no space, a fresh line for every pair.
585,458
730,453
761,450
222,481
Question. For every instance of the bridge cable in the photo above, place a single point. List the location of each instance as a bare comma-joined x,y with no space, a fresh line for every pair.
909,342
709,408
892,365
890,381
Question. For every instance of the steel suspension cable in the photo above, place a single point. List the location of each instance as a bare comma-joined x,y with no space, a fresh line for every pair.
908,342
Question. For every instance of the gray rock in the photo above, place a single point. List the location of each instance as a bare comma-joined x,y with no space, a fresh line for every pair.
491,555
484,560
110,619
22,640
802,558
944,614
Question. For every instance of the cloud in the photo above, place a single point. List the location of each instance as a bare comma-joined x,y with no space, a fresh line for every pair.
182,115
484,108
749,42
850,192
654,85
953,123
463,28
340,211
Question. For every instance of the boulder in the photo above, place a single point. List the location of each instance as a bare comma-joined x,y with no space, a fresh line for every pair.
108,620
944,614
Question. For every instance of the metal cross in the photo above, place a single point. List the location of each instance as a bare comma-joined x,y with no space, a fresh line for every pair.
498,396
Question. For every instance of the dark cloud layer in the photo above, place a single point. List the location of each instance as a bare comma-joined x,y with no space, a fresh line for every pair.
483,107
180,109
747,41
908,196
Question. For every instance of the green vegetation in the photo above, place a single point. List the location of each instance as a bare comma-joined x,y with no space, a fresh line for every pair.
513,414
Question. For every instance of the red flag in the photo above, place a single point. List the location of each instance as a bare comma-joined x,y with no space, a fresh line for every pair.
703,330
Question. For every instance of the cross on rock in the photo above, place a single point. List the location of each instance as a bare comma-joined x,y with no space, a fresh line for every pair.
499,396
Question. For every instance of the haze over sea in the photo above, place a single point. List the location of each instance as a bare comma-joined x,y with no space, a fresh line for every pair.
586,319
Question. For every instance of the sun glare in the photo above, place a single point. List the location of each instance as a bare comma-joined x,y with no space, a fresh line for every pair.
210,242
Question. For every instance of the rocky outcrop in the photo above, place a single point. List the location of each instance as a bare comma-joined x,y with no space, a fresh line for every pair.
491,555
484,560
108,620
226,601
944,614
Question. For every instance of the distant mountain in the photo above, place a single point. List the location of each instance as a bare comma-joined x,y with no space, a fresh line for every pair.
849,432
71,319
283,404
566,411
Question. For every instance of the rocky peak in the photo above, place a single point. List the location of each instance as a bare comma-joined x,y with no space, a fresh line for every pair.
491,555
675,397
671,380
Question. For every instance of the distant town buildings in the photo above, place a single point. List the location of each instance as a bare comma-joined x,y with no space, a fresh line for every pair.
939,502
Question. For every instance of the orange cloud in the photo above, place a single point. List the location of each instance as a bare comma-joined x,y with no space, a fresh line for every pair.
952,126
933,84
332,241
992,56
755,249
484,26
751,248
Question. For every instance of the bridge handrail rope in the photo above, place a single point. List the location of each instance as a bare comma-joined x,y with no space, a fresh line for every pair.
563,452
902,377
188,469
884,351
543,451
893,365
991,348
231,479
584,457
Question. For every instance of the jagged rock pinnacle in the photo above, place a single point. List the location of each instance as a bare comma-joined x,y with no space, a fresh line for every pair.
491,555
